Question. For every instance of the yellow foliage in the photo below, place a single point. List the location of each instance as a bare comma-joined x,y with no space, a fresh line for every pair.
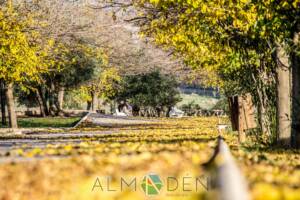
18,58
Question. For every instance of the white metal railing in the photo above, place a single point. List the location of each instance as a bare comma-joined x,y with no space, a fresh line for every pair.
227,178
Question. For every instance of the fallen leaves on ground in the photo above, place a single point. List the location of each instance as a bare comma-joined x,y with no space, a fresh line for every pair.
168,147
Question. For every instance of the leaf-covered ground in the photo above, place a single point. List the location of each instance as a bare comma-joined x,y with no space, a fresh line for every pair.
66,165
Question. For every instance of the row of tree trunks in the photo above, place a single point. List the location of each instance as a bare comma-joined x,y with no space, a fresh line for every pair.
287,100
7,98
54,100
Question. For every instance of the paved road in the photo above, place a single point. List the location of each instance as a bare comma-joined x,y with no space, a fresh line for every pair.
115,121
41,138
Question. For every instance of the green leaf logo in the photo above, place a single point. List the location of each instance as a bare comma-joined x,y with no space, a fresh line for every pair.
151,184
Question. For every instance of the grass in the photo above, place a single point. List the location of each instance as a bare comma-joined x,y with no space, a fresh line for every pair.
203,101
46,122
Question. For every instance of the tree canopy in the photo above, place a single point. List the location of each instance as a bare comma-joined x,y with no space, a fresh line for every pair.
151,90
19,61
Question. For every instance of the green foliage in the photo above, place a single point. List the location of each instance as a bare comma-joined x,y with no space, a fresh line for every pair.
222,104
191,108
106,84
205,102
74,99
82,63
153,89
26,98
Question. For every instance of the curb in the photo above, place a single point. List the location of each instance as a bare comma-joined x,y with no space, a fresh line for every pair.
82,119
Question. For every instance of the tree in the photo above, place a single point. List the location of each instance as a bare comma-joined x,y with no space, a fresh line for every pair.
152,91
18,59
105,85
84,65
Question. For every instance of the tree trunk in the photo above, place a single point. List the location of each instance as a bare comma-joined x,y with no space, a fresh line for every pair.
89,105
168,111
60,98
158,111
296,95
60,101
42,94
11,106
52,99
295,102
283,92
41,104
263,121
234,112
94,101
263,118
3,103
